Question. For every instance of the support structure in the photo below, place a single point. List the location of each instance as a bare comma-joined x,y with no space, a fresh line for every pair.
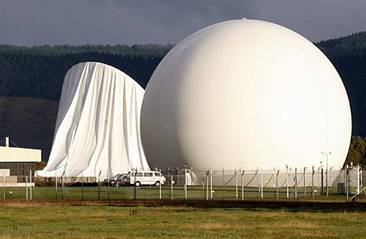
295,183
312,181
99,184
211,182
4,184
358,179
30,188
326,171
287,186
277,192
346,181
242,184
56,183
26,187
304,177
171,187
63,185
207,184
82,187
236,185
262,184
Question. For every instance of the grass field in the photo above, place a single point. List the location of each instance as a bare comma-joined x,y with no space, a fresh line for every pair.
117,222
194,192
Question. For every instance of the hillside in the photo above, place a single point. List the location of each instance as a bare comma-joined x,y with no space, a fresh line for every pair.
38,72
29,122
348,54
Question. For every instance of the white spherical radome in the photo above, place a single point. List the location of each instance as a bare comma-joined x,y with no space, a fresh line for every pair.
245,93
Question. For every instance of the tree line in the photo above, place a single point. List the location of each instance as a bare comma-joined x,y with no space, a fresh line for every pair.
39,71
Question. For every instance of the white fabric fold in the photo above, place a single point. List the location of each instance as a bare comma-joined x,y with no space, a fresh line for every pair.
98,124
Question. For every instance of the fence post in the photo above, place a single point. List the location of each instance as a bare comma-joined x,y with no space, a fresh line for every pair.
262,183
278,171
295,179
304,181
160,187
108,192
223,176
330,177
207,183
99,184
321,179
242,185
171,187
358,179
211,182
63,185
236,185
326,180
30,188
346,180
82,187
287,189
185,183
258,181
26,187
361,178
4,183
56,183
312,181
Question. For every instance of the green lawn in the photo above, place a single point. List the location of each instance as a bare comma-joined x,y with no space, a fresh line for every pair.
116,222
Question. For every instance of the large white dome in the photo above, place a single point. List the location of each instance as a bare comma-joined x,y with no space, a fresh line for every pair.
245,93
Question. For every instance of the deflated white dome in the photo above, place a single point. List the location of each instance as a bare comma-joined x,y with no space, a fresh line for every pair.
98,124
245,93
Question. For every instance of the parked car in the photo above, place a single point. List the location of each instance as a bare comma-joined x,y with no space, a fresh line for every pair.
145,178
117,180
122,181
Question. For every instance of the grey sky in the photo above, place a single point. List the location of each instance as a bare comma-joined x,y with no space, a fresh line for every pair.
35,22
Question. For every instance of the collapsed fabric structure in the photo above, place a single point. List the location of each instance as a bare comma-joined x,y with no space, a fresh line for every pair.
97,131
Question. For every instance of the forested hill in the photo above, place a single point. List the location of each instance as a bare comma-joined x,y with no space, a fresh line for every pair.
38,72
348,54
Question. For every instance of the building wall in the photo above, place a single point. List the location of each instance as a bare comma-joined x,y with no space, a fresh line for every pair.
12,154
20,161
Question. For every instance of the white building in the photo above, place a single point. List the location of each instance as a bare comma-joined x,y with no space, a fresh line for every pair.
17,165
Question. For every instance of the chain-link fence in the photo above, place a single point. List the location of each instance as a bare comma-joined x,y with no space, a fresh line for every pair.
289,183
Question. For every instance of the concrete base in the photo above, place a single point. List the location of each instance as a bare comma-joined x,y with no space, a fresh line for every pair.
16,185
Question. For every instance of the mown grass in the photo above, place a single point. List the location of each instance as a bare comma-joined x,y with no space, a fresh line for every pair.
160,222
194,192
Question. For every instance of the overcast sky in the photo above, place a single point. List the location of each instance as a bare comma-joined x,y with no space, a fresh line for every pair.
36,22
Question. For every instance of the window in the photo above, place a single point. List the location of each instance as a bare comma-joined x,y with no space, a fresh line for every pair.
148,174
139,174
157,174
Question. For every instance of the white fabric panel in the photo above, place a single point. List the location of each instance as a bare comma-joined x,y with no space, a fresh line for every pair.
98,123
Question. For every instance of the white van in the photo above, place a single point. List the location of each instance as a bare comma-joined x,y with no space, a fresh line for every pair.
145,178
